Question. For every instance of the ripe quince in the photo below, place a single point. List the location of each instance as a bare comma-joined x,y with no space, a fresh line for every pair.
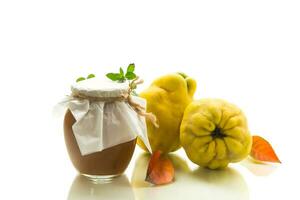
214,133
167,98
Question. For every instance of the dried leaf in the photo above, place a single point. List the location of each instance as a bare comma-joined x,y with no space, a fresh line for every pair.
262,150
160,169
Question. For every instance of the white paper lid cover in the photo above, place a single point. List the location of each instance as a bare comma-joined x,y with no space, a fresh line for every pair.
96,87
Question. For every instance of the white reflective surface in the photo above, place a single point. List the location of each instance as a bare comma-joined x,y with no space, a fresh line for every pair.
246,52
243,181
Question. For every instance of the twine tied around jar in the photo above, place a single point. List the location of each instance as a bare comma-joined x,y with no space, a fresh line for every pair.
140,110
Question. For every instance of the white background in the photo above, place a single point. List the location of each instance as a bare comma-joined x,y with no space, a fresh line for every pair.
246,52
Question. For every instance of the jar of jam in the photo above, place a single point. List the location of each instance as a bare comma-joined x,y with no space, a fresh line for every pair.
101,124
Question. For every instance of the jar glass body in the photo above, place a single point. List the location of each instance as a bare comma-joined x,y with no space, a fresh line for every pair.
105,164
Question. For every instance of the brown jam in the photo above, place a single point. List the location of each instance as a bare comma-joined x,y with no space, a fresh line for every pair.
110,161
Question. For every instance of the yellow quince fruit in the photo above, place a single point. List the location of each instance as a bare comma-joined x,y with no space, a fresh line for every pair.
214,133
167,98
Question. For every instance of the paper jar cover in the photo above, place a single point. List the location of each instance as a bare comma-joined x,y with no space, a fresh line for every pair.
100,125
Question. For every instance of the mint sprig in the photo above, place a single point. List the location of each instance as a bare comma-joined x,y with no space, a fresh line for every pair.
121,76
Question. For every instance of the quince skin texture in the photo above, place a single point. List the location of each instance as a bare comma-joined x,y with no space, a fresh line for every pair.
167,98
214,133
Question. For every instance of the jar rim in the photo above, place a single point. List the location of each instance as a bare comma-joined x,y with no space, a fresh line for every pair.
96,87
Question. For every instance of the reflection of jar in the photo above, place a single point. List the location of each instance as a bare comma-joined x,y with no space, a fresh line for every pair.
84,189
101,126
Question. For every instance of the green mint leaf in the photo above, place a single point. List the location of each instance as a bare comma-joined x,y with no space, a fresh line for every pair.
122,80
80,79
91,76
130,68
130,75
121,71
114,76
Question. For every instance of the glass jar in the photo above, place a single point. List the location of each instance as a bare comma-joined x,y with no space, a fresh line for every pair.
107,163
101,126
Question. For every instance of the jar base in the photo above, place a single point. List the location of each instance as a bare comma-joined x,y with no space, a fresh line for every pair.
101,179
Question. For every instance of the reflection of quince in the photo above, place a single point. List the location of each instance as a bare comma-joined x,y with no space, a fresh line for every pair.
202,183
180,165
222,184
259,168
83,188
215,133
167,98
140,170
